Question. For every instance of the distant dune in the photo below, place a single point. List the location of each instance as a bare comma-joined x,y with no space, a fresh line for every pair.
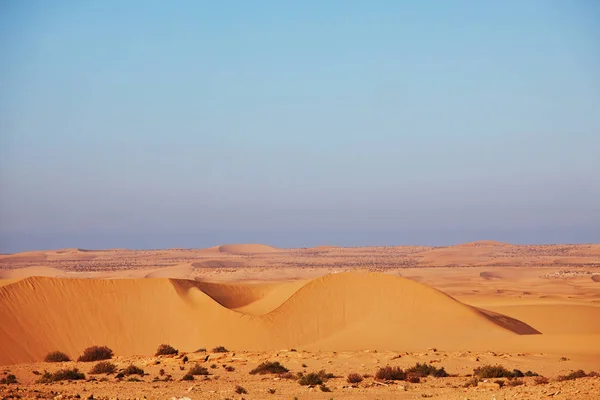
346,311
246,248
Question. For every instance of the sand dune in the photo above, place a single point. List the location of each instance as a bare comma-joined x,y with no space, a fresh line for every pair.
246,249
342,311
22,273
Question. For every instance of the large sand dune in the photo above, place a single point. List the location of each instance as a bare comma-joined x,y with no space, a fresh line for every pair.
345,311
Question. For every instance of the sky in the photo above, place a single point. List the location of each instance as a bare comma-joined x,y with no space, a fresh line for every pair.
154,124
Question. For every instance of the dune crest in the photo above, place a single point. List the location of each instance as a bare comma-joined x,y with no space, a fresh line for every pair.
345,311
247,248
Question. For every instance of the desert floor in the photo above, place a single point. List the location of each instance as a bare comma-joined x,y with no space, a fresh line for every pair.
341,310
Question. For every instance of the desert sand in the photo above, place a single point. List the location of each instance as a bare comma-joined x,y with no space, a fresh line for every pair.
340,309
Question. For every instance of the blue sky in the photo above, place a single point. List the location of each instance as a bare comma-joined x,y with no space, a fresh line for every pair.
157,124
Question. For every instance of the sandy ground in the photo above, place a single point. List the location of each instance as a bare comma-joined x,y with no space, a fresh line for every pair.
344,310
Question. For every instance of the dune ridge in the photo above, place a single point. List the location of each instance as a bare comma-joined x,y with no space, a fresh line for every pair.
346,311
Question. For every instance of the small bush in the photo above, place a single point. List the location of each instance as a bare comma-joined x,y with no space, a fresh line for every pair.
201,350
422,370
185,359
517,373
8,380
515,382
272,391
324,388
492,371
500,382
310,379
133,370
57,356
269,367
471,382
198,370
62,375
353,377
240,390
229,368
161,372
531,373
103,367
214,366
220,349
390,374
413,378
573,375
166,350
188,377
96,353
541,380
120,375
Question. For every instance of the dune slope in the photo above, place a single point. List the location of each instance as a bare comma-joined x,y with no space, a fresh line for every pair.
133,316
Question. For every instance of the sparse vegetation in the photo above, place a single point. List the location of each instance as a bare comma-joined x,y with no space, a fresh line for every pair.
413,378
9,379
103,367
229,368
133,370
62,375
166,350
310,379
214,366
422,370
240,390
573,375
201,350
498,371
388,373
324,388
541,380
188,377
56,356
198,370
353,377
220,349
515,382
269,367
272,391
96,353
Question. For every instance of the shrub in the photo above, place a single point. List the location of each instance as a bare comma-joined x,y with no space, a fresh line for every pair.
201,350
390,374
96,353
8,380
103,367
220,349
213,366
413,378
531,373
500,382
240,390
198,370
310,379
185,359
324,388
517,373
471,382
515,382
161,372
166,350
120,375
422,370
272,391
62,375
134,379
133,370
492,371
57,356
573,375
229,368
353,377
269,367
188,377
541,380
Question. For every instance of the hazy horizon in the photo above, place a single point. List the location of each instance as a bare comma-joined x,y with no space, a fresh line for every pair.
157,125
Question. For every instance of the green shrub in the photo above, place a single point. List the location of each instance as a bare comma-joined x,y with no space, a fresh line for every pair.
96,353
353,377
492,371
573,375
422,370
269,367
8,380
62,375
166,350
388,373
57,356
198,370
103,367
133,370
310,379
240,390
